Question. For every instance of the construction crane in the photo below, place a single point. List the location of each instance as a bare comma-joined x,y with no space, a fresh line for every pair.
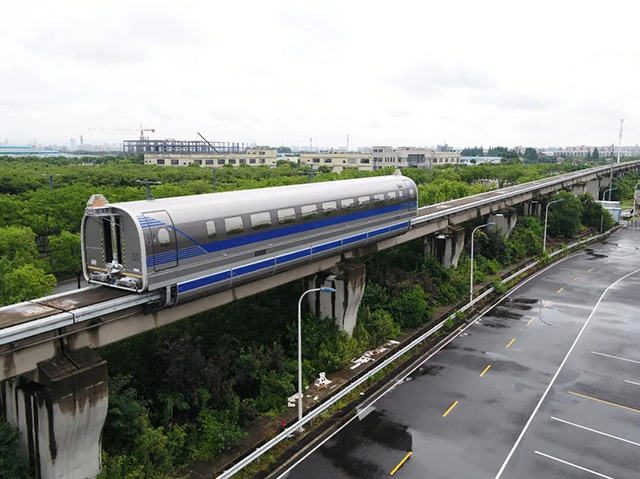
141,130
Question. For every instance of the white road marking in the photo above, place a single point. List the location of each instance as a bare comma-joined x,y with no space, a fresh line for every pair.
555,376
573,465
631,382
543,270
615,357
596,431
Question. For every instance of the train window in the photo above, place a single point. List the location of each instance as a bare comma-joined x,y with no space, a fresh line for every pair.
348,204
392,197
163,237
211,229
363,201
287,215
329,208
260,220
401,195
378,199
309,212
234,225
412,193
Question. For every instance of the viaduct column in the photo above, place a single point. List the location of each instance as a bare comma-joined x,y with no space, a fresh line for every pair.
446,245
505,219
348,279
60,411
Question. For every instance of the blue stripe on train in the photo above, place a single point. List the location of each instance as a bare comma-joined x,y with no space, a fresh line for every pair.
269,263
290,230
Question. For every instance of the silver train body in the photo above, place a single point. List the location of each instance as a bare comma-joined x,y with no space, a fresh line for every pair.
195,245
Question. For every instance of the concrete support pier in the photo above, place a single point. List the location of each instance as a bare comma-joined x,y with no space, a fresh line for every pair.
532,208
446,245
348,279
593,188
505,219
60,411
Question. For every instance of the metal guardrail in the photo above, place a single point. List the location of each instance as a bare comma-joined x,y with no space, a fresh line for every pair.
338,396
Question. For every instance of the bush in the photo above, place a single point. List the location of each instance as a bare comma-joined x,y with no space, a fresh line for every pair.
375,327
11,465
564,217
410,307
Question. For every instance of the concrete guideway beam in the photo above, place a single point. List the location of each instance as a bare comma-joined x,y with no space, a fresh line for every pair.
23,355
60,410
349,280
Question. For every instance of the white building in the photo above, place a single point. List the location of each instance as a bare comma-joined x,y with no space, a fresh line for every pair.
249,157
409,156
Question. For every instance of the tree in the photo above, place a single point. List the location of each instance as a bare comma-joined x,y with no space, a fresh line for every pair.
18,244
593,214
66,256
23,283
596,154
564,217
530,155
11,465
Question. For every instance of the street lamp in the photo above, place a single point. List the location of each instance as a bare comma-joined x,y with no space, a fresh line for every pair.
321,290
609,190
546,217
490,223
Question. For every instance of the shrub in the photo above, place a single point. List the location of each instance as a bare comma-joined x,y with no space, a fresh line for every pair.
410,307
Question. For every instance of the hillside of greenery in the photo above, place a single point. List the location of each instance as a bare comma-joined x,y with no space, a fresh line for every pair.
186,391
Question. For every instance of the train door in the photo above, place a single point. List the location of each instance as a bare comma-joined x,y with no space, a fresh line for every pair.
164,242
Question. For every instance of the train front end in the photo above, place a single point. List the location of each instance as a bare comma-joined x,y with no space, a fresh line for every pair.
112,247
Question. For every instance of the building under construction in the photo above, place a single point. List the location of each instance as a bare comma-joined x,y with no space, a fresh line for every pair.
181,147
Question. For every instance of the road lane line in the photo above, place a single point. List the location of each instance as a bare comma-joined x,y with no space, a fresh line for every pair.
555,376
401,463
615,357
573,465
560,290
606,262
450,408
530,321
631,382
511,342
546,304
576,278
485,370
596,431
604,402
590,270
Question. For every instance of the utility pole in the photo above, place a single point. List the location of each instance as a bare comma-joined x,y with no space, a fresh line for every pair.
148,185
310,144
347,143
620,139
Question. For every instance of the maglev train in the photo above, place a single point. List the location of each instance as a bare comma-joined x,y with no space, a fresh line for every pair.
194,245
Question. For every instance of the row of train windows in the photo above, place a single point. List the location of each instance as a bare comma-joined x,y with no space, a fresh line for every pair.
235,224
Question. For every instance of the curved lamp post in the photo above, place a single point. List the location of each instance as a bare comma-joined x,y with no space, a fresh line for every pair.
471,277
546,217
321,290
609,190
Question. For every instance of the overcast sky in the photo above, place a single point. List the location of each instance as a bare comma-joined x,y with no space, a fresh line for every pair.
278,72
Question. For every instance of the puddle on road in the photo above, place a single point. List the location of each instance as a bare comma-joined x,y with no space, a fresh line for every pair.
376,426
595,255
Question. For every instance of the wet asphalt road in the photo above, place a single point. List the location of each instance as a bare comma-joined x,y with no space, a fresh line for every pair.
586,402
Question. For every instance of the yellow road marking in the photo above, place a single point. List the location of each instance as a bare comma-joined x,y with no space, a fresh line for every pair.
401,463
485,370
590,270
546,304
576,278
511,342
560,290
606,262
604,402
530,321
450,408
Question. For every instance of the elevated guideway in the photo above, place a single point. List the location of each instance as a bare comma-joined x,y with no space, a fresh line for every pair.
95,316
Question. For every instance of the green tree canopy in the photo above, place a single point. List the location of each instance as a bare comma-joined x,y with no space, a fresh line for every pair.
564,217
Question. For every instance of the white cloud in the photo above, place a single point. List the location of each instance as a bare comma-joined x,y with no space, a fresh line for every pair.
468,72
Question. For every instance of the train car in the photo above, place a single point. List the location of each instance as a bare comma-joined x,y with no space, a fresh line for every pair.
196,245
